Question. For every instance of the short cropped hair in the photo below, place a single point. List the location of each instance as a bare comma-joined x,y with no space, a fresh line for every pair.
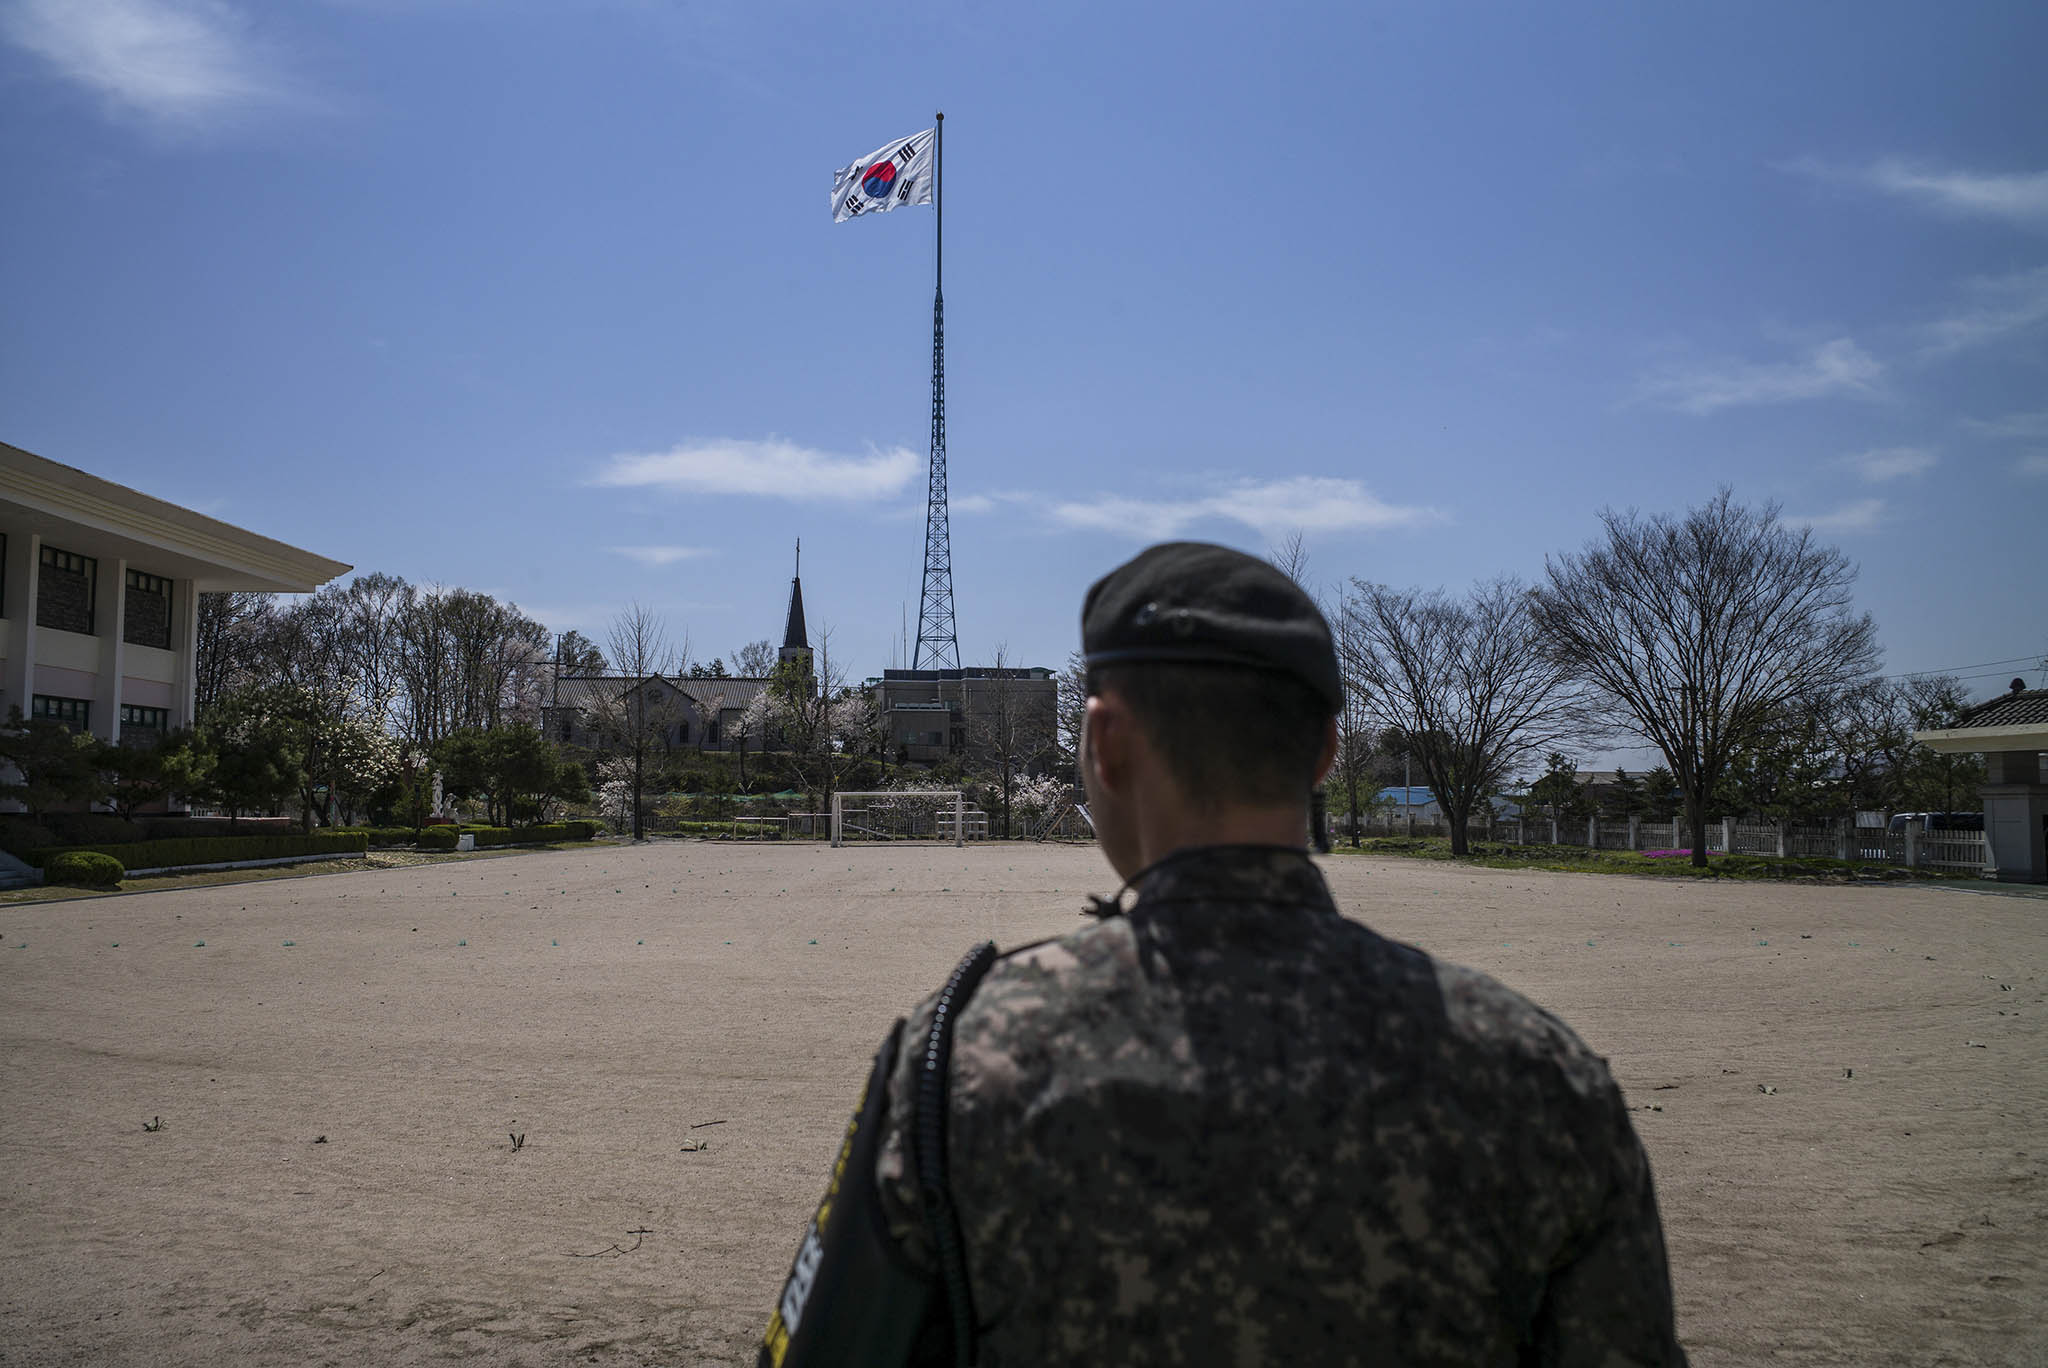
1229,734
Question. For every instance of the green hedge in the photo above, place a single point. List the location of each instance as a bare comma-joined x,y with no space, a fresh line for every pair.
197,850
84,869
444,838
379,836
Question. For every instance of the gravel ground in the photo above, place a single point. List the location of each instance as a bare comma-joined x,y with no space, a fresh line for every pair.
1844,1092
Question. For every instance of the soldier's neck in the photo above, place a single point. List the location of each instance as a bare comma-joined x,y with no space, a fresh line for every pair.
1165,832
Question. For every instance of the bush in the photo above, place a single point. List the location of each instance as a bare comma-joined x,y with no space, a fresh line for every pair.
84,869
438,837
197,850
583,831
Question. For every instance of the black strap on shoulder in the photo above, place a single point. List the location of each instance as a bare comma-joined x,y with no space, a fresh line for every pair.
939,1213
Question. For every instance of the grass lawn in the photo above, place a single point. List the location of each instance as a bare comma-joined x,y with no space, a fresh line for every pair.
340,864
1580,860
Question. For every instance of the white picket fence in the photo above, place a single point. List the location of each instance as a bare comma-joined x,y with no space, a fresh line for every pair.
1946,851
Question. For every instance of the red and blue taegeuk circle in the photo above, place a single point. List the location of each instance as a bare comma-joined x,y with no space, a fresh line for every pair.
878,179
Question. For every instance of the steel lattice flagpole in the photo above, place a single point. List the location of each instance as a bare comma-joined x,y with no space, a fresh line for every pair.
938,648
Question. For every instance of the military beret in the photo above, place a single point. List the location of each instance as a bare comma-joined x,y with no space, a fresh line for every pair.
1194,603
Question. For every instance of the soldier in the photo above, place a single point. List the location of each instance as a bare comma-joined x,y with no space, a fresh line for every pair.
1222,1124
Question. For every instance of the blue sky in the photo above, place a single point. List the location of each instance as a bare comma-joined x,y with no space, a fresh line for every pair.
545,299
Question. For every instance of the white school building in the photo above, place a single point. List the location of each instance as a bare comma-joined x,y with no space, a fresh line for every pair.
99,595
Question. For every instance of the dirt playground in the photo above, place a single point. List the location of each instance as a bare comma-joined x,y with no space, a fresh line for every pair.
414,1115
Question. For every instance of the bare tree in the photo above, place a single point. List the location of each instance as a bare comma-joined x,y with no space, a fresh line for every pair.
1290,558
1463,680
230,631
1010,729
1695,633
368,612
1070,707
463,659
811,710
755,660
1352,771
636,723
1931,780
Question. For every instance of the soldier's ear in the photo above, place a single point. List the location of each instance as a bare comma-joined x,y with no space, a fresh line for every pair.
1106,748
1329,756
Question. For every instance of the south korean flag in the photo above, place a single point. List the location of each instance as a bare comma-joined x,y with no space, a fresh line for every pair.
885,178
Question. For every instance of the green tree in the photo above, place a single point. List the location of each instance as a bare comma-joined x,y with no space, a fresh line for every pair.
56,765
1559,792
515,770
1661,799
136,775
258,757
528,772
1624,797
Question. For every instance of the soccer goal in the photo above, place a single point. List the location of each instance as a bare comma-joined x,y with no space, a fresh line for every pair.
937,815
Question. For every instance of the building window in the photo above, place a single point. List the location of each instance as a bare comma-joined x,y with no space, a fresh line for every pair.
144,719
64,589
710,733
75,713
684,732
146,619
568,727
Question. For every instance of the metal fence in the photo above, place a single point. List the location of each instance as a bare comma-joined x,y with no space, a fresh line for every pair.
1946,851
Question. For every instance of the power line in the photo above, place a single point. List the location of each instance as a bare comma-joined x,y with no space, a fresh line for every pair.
1980,665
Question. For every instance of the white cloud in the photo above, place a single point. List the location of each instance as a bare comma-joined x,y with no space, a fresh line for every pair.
1837,367
2003,305
653,556
182,62
1892,463
772,468
1306,503
2024,425
985,503
2033,463
2020,197
1862,516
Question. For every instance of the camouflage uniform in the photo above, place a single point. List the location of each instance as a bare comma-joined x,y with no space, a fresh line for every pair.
1230,1126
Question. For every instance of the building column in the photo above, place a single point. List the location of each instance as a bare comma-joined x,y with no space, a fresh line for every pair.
113,635
2016,816
24,567
185,642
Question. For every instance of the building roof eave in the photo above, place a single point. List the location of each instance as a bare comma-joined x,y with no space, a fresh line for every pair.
2025,736
245,559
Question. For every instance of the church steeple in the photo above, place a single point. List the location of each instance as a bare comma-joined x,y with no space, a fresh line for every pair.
796,644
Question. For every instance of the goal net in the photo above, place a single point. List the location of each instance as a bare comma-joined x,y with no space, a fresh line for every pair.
933,816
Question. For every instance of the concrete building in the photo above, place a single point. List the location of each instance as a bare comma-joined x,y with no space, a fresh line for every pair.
929,715
2011,733
99,596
